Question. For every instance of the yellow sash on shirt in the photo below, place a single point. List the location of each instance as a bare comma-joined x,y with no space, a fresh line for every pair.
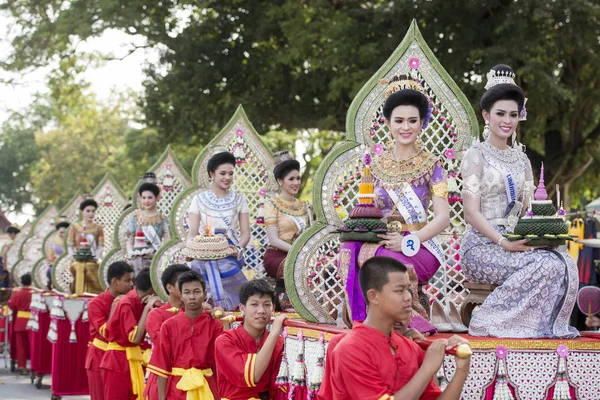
136,371
193,382
23,314
100,344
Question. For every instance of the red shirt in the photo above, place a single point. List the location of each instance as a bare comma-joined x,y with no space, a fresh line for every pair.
185,344
156,318
362,366
20,301
121,328
236,357
98,312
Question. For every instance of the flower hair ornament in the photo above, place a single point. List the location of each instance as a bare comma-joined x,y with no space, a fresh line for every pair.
402,82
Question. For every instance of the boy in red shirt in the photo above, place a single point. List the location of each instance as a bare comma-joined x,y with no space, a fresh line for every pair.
185,361
121,366
159,315
19,304
248,357
120,279
374,362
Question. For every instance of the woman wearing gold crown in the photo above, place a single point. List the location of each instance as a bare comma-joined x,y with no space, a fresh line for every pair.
538,287
407,178
147,228
286,218
84,235
219,210
57,242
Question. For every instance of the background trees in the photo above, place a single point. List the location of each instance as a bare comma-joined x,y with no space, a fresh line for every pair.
296,65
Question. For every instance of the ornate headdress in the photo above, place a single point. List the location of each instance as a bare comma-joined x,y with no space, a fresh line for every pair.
400,83
495,77
403,82
504,76
216,149
61,221
284,161
150,177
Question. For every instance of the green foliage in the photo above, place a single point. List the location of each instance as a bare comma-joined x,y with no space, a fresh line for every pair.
296,65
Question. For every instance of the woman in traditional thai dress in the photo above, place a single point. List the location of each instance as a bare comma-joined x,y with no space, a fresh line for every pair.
57,242
147,229
286,218
89,234
221,210
538,286
407,178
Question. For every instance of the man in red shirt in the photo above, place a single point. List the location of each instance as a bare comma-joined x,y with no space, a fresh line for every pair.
159,315
248,357
19,304
120,279
122,370
374,362
185,360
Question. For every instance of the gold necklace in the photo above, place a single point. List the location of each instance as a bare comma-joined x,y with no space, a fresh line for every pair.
295,207
391,172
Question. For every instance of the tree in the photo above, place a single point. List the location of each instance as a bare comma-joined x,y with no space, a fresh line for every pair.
296,65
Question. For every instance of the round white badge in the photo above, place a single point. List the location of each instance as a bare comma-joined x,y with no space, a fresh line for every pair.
410,245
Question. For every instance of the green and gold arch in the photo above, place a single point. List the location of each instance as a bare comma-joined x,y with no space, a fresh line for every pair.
111,199
253,175
31,249
172,179
13,256
40,268
313,281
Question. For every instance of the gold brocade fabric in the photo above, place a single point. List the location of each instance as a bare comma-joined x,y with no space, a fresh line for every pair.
86,277
280,213
392,172
77,228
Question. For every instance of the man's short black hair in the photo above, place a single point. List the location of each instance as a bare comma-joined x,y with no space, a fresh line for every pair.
117,270
374,273
255,287
191,276
172,273
13,229
26,280
143,281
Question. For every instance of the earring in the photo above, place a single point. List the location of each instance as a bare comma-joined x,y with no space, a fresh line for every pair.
419,145
486,130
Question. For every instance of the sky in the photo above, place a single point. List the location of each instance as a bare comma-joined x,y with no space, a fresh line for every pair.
114,76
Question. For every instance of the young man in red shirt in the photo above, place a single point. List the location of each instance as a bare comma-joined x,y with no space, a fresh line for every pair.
19,304
248,357
159,315
121,366
185,360
120,280
374,362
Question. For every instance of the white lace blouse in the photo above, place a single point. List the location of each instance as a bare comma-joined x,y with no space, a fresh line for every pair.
484,168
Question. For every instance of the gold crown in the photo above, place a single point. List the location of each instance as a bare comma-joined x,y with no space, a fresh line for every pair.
400,83
499,77
62,218
282,156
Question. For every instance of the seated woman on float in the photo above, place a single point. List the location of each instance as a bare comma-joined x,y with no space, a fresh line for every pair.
147,228
220,211
538,286
286,218
406,178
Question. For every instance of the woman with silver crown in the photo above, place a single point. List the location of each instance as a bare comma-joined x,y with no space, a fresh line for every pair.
147,228
407,178
286,218
219,210
538,286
